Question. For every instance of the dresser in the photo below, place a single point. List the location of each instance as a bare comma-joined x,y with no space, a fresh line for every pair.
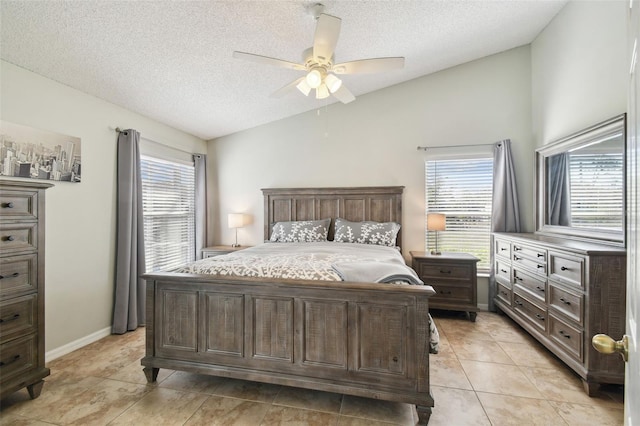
22,233
454,278
562,292
218,250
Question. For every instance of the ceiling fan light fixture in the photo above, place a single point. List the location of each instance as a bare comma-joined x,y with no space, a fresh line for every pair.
322,92
304,87
333,83
314,78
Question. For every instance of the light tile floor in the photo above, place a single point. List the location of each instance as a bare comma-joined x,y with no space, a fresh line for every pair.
487,373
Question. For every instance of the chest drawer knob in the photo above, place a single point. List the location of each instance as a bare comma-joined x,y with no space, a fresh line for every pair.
564,334
11,318
11,361
564,268
7,205
15,274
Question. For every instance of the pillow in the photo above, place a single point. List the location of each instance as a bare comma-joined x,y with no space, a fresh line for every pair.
301,231
377,233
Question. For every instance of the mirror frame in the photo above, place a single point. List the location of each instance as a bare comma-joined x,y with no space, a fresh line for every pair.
583,137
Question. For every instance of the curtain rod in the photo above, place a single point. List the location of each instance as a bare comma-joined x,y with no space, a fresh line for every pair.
425,148
119,130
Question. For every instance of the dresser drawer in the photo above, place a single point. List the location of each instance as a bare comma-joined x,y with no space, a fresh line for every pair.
537,254
536,266
451,294
567,336
536,315
444,271
18,356
503,248
567,302
567,269
537,286
18,237
18,204
504,293
18,317
503,272
18,275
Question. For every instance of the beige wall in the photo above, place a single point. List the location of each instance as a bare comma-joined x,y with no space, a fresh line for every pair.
579,69
373,141
80,218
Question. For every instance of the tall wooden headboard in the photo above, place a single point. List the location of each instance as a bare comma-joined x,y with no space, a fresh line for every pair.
356,204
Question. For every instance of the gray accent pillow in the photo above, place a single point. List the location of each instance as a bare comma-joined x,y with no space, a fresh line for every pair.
300,231
377,233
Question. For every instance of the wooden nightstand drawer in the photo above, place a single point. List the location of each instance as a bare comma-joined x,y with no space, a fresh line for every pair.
452,293
443,271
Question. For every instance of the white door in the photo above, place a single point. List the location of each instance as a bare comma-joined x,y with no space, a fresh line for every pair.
632,379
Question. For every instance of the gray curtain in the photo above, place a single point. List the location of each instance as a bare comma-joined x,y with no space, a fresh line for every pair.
129,304
559,189
200,162
505,211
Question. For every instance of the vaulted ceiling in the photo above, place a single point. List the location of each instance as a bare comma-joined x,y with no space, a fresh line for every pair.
172,60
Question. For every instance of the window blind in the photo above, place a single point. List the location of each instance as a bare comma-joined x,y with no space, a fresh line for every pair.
168,203
462,190
597,190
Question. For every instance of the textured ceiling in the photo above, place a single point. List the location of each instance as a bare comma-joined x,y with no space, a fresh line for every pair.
171,60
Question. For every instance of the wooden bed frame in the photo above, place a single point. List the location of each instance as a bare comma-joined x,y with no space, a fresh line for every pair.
364,339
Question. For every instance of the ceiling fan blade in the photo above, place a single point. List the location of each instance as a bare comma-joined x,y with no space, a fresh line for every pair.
363,66
326,37
344,95
288,88
267,60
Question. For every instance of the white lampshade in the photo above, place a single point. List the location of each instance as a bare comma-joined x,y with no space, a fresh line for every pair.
236,220
322,92
436,222
304,87
332,82
314,78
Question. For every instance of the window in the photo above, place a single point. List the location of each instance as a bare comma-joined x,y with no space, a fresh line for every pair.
168,204
462,190
597,190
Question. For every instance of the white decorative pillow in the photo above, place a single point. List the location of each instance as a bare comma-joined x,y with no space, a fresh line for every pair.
377,233
301,231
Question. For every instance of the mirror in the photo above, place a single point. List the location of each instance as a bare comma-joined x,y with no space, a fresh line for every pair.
580,188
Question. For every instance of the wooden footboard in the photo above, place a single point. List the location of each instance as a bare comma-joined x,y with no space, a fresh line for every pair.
369,340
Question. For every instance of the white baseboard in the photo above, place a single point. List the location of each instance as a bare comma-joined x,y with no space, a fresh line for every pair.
483,306
76,344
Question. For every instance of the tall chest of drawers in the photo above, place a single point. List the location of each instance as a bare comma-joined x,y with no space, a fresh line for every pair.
563,292
22,286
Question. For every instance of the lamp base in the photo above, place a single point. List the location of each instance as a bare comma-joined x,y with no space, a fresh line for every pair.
235,245
436,253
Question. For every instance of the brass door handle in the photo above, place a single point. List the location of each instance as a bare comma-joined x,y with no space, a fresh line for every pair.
606,345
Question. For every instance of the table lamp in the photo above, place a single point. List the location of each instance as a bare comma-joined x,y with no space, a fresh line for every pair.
436,222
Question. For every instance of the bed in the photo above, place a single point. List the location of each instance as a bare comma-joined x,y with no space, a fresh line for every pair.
368,339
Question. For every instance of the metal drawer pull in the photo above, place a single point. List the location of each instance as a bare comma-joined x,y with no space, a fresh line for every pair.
503,248
14,359
503,292
517,258
540,254
518,278
10,238
564,334
14,317
7,205
540,266
445,292
444,272
517,302
563,300
516,248
540,288
15,274
504,271
564,268
540,317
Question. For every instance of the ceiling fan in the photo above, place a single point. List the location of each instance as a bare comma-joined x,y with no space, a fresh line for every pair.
318,62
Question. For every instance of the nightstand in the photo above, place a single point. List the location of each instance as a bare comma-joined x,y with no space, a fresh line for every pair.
454,277
218,250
